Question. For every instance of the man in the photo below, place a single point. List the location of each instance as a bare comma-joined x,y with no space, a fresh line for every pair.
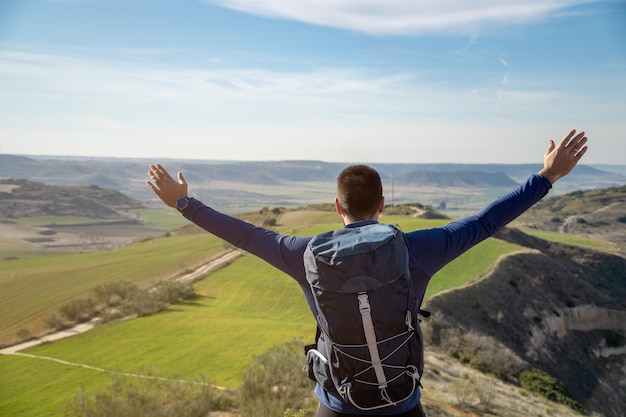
359,202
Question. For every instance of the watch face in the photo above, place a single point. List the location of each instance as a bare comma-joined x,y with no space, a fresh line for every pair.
181,203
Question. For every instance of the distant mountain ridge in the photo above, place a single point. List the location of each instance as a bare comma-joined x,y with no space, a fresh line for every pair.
234,185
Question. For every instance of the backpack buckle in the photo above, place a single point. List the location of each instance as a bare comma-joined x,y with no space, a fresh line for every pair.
364,304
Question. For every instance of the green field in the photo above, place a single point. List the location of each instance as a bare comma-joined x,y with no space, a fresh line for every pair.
31,288
570,239
241,310
164,219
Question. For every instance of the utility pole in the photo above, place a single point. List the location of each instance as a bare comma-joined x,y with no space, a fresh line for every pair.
393,190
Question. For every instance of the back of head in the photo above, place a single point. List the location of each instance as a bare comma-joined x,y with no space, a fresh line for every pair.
359,191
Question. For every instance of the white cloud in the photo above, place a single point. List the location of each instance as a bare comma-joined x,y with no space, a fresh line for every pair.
70,79
404,16
114,102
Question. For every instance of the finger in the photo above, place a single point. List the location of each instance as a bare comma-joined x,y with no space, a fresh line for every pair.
181,179
551,146
153,187
164,175
582,152
567,138
154,175
580,140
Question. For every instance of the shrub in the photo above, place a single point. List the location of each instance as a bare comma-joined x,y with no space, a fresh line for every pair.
77,310
271,222
133,301
23,333
481,352
169,291
149,397
113,292
54,321
142,303
275,383
291,413
549,387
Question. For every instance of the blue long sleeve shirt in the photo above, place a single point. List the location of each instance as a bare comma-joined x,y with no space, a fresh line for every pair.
429,251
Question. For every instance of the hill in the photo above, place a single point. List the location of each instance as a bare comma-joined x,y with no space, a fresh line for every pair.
599,214
554,307
237,186
23,198
82,218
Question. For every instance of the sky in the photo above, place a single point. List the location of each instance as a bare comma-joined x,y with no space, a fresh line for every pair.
407,81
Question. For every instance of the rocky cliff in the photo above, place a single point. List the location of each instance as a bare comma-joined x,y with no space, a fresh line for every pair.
554,307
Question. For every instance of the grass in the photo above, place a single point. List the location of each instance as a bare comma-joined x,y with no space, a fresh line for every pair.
570,239
12,249
240,312
31,288
163,219
42,388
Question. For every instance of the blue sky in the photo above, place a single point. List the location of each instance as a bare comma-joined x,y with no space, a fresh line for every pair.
336,80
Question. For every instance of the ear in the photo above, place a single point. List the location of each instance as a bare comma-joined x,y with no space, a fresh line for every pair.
382,205
338,207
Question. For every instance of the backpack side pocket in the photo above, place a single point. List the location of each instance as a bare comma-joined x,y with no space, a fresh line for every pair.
318,369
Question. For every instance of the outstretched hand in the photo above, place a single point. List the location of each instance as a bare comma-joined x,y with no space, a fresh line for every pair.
165,186
559,160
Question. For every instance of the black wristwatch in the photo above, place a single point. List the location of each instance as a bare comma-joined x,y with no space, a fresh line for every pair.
182,203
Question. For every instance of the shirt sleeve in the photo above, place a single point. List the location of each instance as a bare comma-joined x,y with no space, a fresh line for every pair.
281,251
432,249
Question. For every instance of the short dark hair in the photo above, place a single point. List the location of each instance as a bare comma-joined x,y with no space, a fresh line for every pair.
359,191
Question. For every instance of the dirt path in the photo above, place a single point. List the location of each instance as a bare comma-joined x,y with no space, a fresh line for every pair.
108,371
223,259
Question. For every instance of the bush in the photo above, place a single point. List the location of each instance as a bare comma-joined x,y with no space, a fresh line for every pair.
142,303
157,298
54,321
149,397
545,385
111,293
133,301
23,333
275,383
481,352
169,291
77,310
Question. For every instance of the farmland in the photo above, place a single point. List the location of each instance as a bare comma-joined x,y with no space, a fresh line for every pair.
239,311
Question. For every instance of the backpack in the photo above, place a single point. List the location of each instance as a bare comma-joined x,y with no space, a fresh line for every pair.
369,345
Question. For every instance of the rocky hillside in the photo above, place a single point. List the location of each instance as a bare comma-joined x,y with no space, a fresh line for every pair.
599,214
23,198
554,307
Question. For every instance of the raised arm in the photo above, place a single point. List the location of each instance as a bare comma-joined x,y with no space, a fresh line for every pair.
560,159
282,251
439,246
